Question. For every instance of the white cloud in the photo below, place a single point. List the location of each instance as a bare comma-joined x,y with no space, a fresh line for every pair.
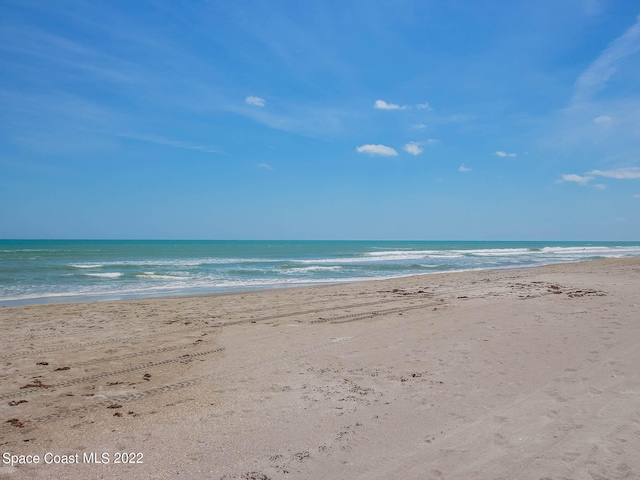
419,126
572,177
382,105
265,166
431,141
595,77
505,154
603,120
377,150
618,173
255,101
413,148
637,195
464,169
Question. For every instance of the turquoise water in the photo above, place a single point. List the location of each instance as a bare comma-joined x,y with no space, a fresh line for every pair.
41,271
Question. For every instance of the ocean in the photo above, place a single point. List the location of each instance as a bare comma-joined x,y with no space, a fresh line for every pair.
44,271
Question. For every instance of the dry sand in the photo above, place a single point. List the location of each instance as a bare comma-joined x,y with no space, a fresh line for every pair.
512,374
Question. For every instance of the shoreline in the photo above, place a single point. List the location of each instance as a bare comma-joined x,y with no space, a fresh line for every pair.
508,373
42,272
73,299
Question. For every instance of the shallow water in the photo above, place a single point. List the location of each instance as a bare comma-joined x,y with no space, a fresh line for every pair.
41,271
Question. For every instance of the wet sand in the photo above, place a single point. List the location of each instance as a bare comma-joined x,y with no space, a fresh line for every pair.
511,374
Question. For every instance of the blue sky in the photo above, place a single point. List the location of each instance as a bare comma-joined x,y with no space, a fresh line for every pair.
511,120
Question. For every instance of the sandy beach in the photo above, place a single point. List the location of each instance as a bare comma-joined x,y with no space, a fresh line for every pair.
509,374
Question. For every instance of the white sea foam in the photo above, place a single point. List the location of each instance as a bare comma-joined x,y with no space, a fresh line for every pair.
492,252
316,268
33,296
587,251
399,253
179,288
155,276
571,252
264,283
366,259
105,274
412,254
192,262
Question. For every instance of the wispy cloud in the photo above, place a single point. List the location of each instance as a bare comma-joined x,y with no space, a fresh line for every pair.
265,166
307,119
57,122
572,177
603,120
377,150
413,148
77,60
382,105
502,154
255,101
595,77
618,173
169,142
463,169
592,7
636,195
419,126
